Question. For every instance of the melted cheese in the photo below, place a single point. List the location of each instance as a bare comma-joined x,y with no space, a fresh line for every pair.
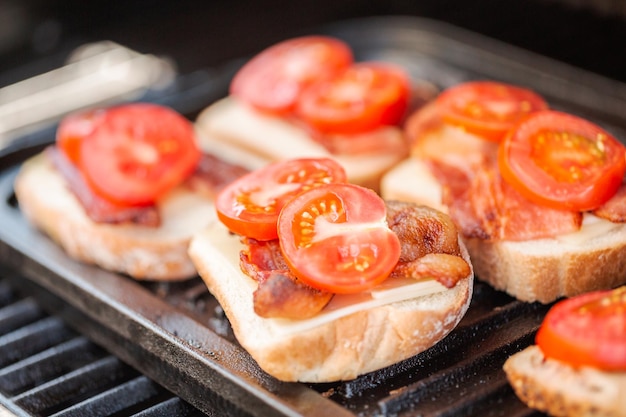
592,227
269,136
400,183
244,136
393,290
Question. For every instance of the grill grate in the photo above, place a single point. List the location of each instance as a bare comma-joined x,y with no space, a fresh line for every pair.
48,369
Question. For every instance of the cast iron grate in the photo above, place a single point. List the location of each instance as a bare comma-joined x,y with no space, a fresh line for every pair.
48,369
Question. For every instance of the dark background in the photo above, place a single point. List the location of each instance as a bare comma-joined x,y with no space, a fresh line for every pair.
35,34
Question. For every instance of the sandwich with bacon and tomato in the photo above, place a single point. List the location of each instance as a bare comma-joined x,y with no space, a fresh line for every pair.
124,187
578,365
322,280
307,97
537,194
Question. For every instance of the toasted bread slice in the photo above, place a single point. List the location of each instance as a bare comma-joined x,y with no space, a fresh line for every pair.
237,132
151,253
560,390
353,336
536,270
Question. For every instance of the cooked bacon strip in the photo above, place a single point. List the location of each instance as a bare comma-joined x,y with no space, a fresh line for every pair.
421,230
521,220
614,210
381,140
429,248
481,203
441,145
486,207
446,269
211,175
280,295
429,244
260,259
97,208
463,207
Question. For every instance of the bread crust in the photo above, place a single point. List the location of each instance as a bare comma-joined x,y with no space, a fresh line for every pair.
231,129
540,270
561,390
537,271
144,253
342,349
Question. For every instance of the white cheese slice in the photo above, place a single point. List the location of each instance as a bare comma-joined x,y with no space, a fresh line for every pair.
411,180
270,136
343,304
592,227
244,136
390,291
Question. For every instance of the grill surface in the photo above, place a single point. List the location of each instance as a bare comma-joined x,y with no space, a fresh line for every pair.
47,369
176,334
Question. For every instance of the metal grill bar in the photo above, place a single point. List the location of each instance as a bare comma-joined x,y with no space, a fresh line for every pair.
69,389
47,369
19,314
49,364
32,339
171,407
115,400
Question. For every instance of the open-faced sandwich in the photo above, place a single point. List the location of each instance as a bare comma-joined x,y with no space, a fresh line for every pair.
124,187
306,97
537,194
578,365
322,280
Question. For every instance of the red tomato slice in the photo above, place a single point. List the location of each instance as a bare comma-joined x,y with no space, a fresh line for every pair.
588,330
73,129
363,97
488,109
273,79
137,152
250,205
562,161
335,238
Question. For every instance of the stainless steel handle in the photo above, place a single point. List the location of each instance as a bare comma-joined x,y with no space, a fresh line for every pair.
96,74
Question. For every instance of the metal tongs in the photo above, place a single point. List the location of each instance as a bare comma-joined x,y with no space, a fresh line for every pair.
95,74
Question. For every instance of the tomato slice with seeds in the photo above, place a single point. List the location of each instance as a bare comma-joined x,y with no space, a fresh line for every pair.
335,238
272,80
73,129
562,161
250,205
363,97
587,330
486,108
137,152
